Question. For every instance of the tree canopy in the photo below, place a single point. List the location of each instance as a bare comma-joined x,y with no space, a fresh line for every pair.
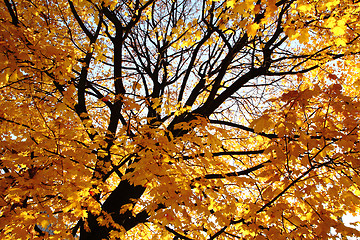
181,119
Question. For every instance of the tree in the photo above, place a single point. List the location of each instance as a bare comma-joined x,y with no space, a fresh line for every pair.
149,119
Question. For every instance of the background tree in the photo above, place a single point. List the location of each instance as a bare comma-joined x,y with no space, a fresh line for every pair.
156,119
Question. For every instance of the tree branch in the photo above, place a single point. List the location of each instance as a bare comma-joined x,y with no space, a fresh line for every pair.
270,136
177,234
232,174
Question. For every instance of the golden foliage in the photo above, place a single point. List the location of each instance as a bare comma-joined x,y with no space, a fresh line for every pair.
149,119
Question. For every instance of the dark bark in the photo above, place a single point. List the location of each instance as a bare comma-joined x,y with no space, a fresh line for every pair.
120,196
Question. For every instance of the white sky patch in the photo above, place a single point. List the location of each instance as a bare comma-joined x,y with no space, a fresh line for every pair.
349,221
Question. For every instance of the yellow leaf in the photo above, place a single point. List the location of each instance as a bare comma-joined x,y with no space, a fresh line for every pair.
339,30
230,3
340,42
304,36
252,29
261,123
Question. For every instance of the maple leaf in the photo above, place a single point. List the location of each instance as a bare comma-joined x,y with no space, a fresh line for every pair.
261,124
252,29
338,30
